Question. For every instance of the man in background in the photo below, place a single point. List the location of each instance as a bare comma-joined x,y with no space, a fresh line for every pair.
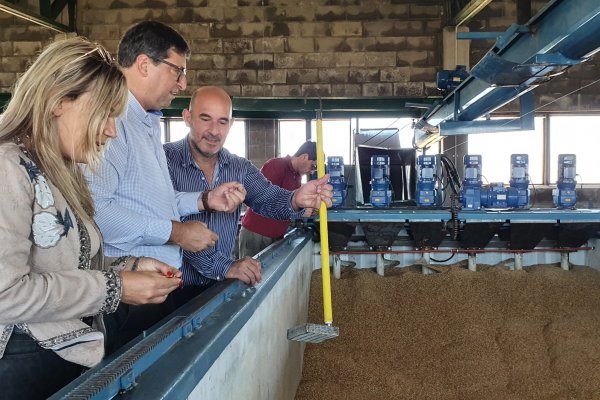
258,231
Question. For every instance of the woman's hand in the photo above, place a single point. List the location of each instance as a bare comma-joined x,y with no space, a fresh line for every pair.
147,287
153,265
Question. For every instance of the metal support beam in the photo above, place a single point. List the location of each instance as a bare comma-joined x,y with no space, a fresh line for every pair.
526,122
469,11
58,6
563,33
44,18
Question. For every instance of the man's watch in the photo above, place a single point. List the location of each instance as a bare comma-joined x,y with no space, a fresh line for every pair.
205,201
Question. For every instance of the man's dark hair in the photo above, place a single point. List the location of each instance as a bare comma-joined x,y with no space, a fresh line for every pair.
152,38
309,148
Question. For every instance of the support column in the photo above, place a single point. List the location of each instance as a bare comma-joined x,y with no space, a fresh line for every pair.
518,261
337,267
472,262
380,264
564,260
424,266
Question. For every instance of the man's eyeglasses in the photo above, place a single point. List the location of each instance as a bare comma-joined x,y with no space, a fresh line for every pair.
180,70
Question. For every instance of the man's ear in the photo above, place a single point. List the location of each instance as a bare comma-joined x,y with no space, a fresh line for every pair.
141,64
187,116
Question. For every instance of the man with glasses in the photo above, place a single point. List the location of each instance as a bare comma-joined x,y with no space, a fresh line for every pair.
199,162
181,71
137,209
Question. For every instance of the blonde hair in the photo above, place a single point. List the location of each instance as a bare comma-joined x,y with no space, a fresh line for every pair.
64,71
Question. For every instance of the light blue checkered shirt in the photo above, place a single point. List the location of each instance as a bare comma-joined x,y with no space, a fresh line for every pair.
134,197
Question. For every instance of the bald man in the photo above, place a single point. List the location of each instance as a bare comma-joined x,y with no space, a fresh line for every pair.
199,163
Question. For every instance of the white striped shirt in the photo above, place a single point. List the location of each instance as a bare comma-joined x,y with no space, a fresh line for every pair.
204,267
134,198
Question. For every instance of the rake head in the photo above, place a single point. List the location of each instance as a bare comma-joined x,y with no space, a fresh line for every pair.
313,333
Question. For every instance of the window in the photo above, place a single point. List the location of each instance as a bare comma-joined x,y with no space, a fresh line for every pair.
336,137
236,140
404,126
496,148
292,133
575,135
568,134
177,130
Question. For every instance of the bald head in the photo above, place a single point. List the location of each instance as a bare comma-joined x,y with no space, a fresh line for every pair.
209,119
212,94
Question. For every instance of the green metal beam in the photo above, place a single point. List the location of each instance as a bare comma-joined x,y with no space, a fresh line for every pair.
4,98
45,9
72,13
58,6
303,108
42,20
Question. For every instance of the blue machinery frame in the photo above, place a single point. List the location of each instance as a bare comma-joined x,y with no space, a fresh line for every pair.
562,34
515,229
169,361
541,215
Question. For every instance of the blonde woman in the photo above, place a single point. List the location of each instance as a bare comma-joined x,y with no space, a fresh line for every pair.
55,285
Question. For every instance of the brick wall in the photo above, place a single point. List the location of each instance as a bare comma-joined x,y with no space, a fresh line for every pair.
20,42
299,47
292,48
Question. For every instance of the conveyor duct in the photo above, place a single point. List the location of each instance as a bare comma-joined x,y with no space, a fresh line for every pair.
562,34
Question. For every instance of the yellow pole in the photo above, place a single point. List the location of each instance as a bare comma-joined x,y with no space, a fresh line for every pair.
323,229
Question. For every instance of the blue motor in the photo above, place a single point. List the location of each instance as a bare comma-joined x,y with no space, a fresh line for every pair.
471,192
564,195
335,169
495,196
519,181
449,80
425,190
381,195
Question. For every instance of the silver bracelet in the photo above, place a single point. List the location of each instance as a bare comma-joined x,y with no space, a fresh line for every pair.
113,291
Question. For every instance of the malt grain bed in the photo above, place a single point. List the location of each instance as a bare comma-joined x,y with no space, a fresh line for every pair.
493,334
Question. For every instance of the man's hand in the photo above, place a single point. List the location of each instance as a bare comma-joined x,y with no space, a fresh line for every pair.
245,269
310,212
312,193
192,235
227,197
